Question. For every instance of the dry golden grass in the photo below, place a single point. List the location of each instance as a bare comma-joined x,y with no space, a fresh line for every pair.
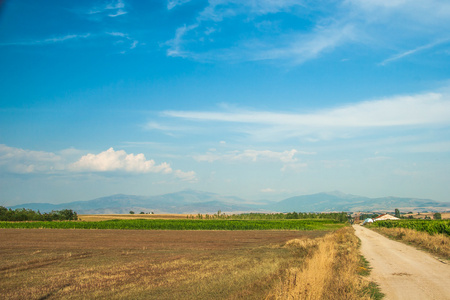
134,264
438,244
331,270
444,215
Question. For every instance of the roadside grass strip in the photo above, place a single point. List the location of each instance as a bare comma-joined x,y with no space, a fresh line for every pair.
331,270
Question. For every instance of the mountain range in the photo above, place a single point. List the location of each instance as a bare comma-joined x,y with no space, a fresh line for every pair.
193,202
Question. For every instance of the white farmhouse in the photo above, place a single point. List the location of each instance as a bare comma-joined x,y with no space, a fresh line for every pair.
384,217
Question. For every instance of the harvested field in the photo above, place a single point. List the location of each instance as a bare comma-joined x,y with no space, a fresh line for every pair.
74,264
444,215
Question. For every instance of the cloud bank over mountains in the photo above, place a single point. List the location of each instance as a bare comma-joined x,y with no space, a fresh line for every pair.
22,161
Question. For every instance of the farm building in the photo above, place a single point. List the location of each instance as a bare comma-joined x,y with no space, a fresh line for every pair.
368,220
385,217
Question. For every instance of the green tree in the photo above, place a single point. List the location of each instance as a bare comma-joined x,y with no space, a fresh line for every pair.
67,214
437,216
131,212
397,213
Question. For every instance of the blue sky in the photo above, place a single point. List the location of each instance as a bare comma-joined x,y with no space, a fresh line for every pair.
258,99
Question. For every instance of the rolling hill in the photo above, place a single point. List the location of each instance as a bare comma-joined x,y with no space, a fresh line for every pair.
191,201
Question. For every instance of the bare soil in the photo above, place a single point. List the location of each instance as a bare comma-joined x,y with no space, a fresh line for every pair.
76,239
402,271
142,264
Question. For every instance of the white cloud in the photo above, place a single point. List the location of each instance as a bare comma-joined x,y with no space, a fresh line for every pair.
250,156
119,161
401,111
111,160
20,161
186,176
268,190
121,34
16,160
157,126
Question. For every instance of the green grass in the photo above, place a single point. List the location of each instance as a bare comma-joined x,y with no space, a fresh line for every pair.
187,224
430,226
372,290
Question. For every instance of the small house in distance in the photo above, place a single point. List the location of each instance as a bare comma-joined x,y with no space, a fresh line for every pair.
384,217
367,221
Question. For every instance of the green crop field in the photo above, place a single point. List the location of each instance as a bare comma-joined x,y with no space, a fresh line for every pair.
188,224
430,226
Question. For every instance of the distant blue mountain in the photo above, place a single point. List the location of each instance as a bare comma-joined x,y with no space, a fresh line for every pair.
188,201
191,201
337,201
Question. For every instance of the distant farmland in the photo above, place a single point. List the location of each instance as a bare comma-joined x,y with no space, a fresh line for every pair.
184,224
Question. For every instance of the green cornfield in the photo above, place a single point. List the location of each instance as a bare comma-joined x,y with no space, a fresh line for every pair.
430,226
188,224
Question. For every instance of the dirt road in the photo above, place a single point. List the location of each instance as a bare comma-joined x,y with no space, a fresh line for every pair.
402,271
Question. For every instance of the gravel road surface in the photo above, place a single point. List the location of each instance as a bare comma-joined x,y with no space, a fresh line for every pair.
402,271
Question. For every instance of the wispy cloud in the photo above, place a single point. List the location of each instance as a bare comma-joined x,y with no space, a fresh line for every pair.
177,42
214,13
124,37
119,37
47,41
174,3
413,51
250,156
423,109
401,111
380,24
298,48
112,9
288,159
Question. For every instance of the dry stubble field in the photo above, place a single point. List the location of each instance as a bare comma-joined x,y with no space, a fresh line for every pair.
135,264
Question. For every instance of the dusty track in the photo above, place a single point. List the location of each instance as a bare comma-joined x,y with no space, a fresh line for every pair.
402,271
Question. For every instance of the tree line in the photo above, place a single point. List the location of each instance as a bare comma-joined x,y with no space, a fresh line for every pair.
23,214
341,216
